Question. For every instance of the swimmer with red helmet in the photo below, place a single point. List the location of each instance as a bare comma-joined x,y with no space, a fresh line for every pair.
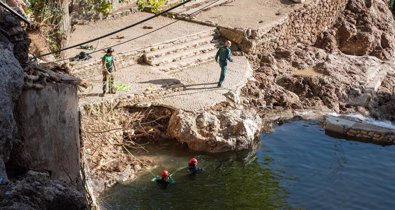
164,180
192,166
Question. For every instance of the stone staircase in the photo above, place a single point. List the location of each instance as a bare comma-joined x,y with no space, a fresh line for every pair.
185,52
167,56
195,6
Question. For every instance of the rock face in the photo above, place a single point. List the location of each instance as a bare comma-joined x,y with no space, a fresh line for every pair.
17,36
37,191
11,83
325,75
30,190
364,28
306,77
215,132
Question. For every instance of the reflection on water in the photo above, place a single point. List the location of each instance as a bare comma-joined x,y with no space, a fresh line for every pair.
297,166
327,173
228,182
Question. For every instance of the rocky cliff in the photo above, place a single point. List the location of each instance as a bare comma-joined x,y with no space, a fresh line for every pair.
36,105
347,68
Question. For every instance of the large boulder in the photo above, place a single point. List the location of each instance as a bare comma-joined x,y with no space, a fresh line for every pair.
215,132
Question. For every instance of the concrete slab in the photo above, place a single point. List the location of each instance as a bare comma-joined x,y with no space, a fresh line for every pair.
255,14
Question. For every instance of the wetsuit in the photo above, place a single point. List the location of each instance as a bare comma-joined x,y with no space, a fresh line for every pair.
162,182
193,169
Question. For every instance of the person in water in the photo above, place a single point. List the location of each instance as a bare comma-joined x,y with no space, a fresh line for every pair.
164,180
192,166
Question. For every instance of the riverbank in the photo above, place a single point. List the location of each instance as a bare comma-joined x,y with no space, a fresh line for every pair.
295,166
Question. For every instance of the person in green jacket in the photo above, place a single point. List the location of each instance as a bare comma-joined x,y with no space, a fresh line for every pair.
108,69
222,57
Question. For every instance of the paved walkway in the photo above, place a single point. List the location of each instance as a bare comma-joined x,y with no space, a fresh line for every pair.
255,14
192,89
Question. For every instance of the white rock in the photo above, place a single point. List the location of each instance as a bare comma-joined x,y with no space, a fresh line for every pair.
214,132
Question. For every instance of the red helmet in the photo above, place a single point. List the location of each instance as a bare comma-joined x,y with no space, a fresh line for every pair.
165,174
193,161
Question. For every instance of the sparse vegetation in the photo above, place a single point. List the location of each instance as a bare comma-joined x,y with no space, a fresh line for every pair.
48,16
154,6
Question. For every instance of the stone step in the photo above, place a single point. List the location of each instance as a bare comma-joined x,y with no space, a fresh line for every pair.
191,5
189,52
125,59
188,62
179,47
180,40
200,5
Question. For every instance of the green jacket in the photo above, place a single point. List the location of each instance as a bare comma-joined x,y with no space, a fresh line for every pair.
109,62
224,54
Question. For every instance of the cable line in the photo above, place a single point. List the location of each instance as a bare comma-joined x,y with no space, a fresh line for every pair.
137,37
14,12
117,31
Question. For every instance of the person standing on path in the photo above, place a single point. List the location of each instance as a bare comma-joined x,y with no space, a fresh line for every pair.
224,54
108,68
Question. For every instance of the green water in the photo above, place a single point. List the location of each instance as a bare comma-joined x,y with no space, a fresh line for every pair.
296,166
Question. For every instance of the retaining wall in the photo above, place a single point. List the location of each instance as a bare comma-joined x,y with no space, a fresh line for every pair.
302,25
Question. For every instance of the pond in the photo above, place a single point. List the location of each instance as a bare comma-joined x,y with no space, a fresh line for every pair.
295,167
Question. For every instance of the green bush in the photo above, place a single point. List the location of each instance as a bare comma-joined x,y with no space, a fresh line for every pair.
104,7
155,5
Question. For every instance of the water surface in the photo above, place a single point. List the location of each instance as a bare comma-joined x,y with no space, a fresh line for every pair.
296,166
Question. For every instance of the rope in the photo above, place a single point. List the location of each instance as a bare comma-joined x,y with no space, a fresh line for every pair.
138,160
177,170
117,31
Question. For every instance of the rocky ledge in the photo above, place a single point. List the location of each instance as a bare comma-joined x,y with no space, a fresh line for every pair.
214,132
356,129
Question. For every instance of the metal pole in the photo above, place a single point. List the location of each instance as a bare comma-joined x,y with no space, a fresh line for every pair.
14,12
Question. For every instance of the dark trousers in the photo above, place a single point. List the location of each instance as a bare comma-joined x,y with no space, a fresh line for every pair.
224,68
108,79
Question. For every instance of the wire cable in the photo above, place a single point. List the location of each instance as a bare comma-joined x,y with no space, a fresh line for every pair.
137,37
117,31
14,12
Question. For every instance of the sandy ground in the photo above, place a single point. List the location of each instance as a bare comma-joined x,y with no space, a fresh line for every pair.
249,13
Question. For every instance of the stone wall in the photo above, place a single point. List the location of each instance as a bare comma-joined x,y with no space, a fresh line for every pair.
88,10
302,25
48,124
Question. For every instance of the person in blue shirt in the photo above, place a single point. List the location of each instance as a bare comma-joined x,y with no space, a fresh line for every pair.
223,55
